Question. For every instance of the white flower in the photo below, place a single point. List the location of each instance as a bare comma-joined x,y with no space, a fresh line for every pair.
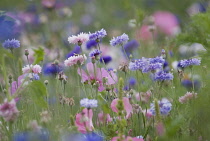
79,39
73,60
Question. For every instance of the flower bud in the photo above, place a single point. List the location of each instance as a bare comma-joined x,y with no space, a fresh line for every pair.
46,82
26,52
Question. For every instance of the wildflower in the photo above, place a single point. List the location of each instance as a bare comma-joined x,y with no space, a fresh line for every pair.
105,59
95,53
157,60
97,35
8,110
11,44
34,68
143,96
88,103
164,105
84,121
73,60
120,40
188,84
185,63
104,118
130,46
161,76
132,81
51,69
91,43
79,39
127,106
36,77
187,97
97,76
76,50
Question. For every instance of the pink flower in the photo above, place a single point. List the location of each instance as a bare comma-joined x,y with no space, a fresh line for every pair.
84,120
73,60
147,113
127,106
104,118
98,76
160,129
8,110
128,138
80,38
27,69
187,97
36,69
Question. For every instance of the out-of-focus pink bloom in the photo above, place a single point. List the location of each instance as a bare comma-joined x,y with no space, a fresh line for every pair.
104,118
187,97
48,3
127,106
144,97
80,38
128,138
164,22
8,110
73,60
147,113
84,120
16,86
34,68
98,76
160,128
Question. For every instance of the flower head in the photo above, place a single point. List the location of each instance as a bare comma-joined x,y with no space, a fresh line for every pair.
34,68
79,39
8,110
73,60
98,34
164,105
11,44
161,76
76,50
187,97
119,40
105,59
88,103
189,62
95,53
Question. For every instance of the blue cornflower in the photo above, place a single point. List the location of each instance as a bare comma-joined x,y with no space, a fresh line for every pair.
161,76
120,40
91,43
88,103
189,62
36,77
164,105
132,81
98,34
52,69
105,59
11,44
76,50
152,67
188,84
138,64
95,53
157,60
130,46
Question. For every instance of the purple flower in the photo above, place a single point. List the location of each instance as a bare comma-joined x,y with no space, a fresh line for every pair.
130,46
120,40
98,34
157,60
88,103
164,105
94,53
8,110
76,50
138,64
91,43
132,81
11,44
51,69
106,59
188,84
161,76
36,77
189,62
152,67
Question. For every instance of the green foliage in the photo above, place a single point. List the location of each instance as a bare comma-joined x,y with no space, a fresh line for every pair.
38,55
198,30
36,90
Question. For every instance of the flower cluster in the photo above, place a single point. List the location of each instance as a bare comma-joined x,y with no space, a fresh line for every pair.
8,110
94,53
97,35
73,60
34,68
189,62
88,103
187,97
161,76
79,39
164,105
11,44
120,40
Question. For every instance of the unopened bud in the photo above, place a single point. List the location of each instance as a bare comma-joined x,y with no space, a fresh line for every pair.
56,62
10,76
4,91
26,52
46,82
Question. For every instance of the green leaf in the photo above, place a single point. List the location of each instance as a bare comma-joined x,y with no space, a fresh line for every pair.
37,91
38,55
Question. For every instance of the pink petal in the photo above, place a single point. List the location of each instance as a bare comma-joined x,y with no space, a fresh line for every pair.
83,74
